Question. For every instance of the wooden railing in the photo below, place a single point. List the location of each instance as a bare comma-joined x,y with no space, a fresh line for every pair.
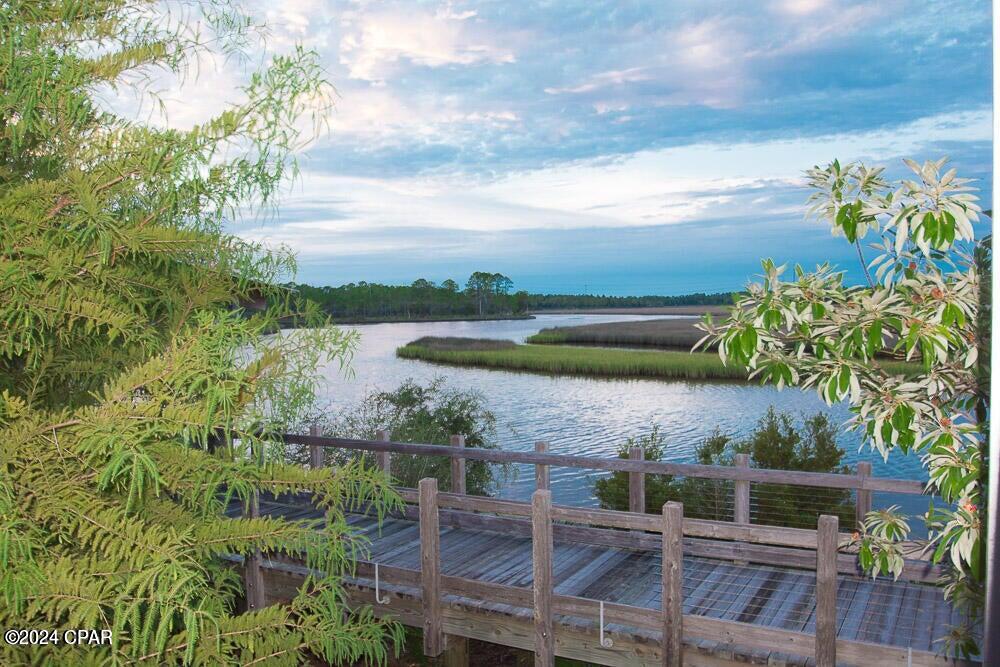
862,481
669,532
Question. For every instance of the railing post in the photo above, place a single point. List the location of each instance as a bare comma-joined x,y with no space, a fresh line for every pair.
826,591
541,471
315,451
864,505
741,492
541,562
430,567
458,466
636,484
253,577
382,459
672,594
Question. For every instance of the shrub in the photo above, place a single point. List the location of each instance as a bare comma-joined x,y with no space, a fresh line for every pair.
776,442
426,414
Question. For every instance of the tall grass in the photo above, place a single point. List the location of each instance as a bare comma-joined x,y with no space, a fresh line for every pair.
671,334
571,360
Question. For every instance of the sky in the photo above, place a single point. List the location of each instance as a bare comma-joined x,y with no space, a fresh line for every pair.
605,147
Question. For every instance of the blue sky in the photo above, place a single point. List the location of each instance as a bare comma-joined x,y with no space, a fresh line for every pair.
613,147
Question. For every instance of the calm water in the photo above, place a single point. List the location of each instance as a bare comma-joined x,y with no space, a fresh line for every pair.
588,416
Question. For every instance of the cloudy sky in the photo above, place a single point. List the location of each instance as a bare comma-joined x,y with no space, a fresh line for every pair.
613,147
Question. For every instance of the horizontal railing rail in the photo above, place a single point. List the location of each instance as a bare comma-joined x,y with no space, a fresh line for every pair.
862,482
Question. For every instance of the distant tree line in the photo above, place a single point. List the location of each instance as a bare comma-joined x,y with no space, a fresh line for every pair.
556,301
484,295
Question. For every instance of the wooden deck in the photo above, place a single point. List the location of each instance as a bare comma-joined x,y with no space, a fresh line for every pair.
904,614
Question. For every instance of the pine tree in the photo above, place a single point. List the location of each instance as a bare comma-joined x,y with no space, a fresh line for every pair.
136,397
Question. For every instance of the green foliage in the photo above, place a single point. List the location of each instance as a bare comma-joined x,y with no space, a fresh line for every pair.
428,414
925,303
136,397
775,443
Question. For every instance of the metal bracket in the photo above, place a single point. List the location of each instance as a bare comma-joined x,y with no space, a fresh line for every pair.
605,641
378,598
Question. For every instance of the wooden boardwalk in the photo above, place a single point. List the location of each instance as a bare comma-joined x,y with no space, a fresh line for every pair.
902,613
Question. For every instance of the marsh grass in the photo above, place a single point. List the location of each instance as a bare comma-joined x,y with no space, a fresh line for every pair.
678,334
571,360
597,361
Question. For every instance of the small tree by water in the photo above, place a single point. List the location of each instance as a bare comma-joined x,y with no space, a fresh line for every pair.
425,414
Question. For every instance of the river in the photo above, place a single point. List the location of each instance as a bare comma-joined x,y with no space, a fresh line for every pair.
589,416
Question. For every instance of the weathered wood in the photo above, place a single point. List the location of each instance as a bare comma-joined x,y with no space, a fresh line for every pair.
864,503
636,484
388,574
458,466
315,451
541,567
430,567
487,591
672,581
382,458
541,470
741,492
483,504
762,475
253,578
826,591
456,653
720,530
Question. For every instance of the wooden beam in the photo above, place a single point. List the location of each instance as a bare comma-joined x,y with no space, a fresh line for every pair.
636,484
672,595
826,591
315,451
382,459
541,563
720,530
456,654
458,466
484,504
864,504
541,470
762,475
253,578
741,492
430,567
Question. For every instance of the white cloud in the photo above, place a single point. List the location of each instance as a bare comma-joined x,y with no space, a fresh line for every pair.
604,80
375,43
